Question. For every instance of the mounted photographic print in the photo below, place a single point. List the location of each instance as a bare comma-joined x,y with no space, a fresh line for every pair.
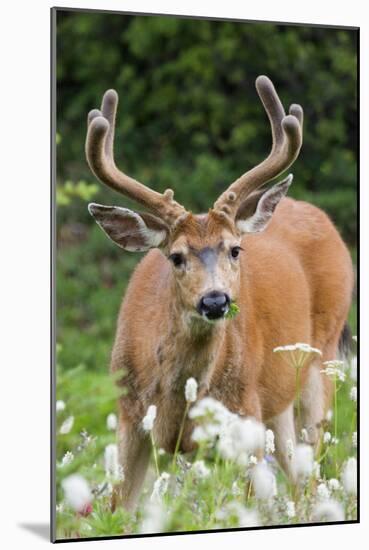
205,314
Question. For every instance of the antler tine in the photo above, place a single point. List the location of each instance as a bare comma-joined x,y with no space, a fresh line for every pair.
109,106
287,141
273,107
296,110
100,157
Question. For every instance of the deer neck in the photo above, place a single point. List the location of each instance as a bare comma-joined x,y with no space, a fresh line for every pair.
190,346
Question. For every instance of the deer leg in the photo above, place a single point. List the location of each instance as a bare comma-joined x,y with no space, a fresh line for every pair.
313,401
317,394
283,426
134,454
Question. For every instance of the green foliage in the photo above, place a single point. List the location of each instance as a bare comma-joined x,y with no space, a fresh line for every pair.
232,311
82,190
92,274
192,501
189,116
103,522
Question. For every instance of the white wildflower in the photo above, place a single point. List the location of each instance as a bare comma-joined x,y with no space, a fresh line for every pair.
111,463
290,449
67,425
77,492
160,487
161,452
253,460
191,390
269,442
154,519
200,434
245,517
328,510
290,509
228,448
239,438
210,407
322,492
297,354
353,368
206,432
304,460
306,348
149,419
353,394
335,440
264,482
60,508
354,440
354,338
60,406
334,369
334,484
349,476
288,347
327,437
213,416
334,363
67,459
329,415
111,421
200,469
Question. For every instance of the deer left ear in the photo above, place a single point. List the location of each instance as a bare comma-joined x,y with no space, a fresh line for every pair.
133,231
256,211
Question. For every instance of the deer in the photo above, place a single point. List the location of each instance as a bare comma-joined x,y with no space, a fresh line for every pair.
282,261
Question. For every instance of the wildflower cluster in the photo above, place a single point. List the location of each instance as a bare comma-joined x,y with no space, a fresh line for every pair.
232,479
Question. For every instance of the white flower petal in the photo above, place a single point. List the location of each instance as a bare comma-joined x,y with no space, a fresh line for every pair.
67,425
77,492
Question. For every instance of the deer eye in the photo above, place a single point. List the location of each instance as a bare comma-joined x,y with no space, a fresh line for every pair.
235,250
177,259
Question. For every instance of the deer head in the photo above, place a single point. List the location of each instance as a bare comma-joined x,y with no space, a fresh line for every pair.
203,250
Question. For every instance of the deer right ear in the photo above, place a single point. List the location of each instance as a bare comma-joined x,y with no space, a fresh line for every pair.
129,230
256,211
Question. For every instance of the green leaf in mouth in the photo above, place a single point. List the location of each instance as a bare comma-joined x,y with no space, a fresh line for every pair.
232,310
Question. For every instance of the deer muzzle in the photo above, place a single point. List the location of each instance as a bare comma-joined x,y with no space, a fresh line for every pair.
214,305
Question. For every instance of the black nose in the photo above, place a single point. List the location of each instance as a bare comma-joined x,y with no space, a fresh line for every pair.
214,304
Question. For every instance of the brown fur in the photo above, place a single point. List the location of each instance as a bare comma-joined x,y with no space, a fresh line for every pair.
293,283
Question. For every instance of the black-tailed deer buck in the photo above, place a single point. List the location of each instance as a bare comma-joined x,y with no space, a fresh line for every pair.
282,261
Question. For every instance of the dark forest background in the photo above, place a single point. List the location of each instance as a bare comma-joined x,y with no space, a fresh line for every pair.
189,118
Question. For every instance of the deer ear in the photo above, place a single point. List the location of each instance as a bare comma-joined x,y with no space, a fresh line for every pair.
256,211
130,230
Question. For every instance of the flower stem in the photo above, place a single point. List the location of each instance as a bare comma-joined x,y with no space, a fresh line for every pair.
180,434
155,454
249,491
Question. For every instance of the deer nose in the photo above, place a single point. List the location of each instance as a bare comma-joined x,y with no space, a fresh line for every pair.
214,304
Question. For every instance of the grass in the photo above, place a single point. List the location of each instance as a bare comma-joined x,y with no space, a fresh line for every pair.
210,496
